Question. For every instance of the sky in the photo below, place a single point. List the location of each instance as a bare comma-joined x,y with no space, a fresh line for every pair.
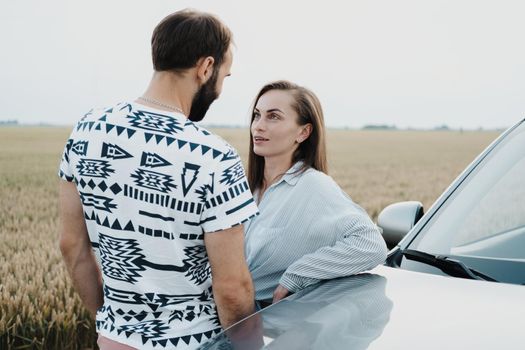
408,63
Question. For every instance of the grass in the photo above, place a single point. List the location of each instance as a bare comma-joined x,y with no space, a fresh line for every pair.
38,307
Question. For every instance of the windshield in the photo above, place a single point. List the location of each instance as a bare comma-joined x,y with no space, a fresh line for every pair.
483,222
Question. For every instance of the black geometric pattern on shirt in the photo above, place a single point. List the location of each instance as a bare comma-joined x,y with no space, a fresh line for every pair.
94,168
153,180
191,236
156,338
125,106
109,321
98,202
132,315
69,144
156,233
89,113
156,216
80,148
109,127
240,206
153,160
153,300
122,259
199,269
192,146
102,185
163,200
118,128
204,132
205,190
169,235
154,122
106,222
65,176
110,317
83,123
191,124
191,312
225,196
200,223
246,220
112,151
88,124
151,329
188,176
232,174
228,195
231,154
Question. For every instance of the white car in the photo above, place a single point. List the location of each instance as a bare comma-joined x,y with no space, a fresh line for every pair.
453,280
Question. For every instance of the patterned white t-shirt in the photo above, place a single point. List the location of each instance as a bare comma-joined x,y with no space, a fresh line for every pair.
151,183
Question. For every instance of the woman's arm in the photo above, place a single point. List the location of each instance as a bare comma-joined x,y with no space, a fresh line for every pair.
358,247
361,248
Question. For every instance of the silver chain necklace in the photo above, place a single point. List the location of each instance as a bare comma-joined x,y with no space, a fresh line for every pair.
155,102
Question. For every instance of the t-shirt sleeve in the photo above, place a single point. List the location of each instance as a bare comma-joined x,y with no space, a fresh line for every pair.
229,201
64,171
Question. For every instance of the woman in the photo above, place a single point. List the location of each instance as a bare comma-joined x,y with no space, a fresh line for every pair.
308,228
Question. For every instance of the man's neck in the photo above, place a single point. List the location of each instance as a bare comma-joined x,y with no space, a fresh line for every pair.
171,89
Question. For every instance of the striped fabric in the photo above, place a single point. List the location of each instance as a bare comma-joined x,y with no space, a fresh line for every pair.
309,230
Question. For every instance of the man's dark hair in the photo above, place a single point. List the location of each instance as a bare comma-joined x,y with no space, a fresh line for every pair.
184,37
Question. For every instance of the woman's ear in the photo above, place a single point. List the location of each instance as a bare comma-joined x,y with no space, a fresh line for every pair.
306,130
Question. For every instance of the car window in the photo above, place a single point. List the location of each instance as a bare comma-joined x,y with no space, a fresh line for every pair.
485,217
500,210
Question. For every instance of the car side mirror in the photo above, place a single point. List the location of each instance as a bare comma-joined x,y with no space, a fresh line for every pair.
397,219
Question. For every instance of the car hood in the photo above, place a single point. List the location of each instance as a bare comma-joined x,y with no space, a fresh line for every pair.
388,308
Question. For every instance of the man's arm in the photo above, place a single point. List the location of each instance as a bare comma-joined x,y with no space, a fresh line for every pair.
76,248
232,282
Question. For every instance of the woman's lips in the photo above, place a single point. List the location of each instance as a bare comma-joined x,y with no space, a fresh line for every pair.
259,140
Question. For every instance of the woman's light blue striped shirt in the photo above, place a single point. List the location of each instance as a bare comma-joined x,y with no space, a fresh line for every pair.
308,230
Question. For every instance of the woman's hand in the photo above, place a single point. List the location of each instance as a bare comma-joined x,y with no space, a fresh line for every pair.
279,293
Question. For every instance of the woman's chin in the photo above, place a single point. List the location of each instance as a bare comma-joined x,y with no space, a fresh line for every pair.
259,152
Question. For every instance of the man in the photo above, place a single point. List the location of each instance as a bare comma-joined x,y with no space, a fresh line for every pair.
159,202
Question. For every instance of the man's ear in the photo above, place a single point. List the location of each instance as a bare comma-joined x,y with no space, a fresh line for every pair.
305,132
205,67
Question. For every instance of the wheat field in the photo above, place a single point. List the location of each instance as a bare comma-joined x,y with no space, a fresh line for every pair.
38,307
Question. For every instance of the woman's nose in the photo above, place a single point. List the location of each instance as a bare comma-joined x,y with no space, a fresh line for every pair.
258,124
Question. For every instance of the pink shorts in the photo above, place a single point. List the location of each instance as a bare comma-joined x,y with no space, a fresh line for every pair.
108,344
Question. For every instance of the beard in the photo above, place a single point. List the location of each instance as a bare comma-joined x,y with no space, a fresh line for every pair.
203,99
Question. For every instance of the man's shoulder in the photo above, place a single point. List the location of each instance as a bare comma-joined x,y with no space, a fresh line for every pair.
212,139
100,113
221,150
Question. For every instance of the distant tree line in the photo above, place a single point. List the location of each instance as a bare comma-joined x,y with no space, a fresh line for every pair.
379,127
8,122
442,127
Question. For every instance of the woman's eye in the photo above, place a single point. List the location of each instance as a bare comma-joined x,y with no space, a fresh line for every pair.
274,116
256,116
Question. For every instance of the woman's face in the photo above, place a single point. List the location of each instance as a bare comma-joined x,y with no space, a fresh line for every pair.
274,128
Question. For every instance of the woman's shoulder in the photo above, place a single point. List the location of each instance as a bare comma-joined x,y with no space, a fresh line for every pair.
315,179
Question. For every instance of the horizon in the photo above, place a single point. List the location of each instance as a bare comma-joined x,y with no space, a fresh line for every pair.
368,127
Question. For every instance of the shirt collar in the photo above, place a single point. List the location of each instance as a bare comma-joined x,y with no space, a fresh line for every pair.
292,175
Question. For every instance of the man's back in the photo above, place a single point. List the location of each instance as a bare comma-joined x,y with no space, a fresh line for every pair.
151,183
